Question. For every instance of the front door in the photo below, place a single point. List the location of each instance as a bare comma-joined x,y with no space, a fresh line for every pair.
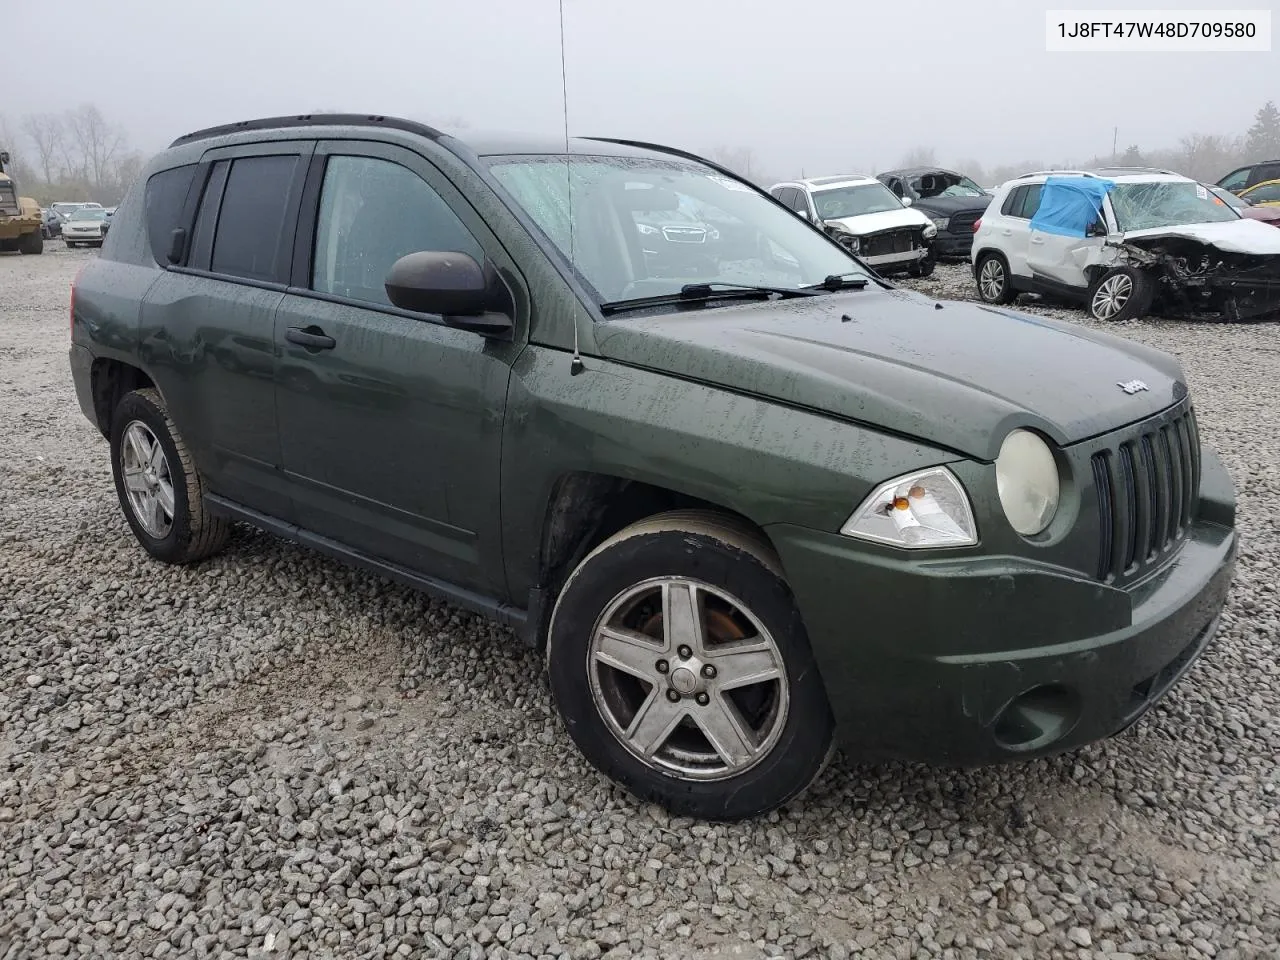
390,422
1064,261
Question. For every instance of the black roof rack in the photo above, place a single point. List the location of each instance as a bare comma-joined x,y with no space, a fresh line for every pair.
311,120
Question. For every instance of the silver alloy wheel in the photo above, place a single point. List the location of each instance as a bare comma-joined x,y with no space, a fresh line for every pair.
688,679
1112,295
147,480
991,279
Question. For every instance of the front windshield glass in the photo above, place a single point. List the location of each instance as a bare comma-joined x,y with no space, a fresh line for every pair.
645,227
1229,198
854,201
88,213
1150,206
944,184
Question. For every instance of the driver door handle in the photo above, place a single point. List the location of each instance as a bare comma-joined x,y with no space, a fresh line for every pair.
313,338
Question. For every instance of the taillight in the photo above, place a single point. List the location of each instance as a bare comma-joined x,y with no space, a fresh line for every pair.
976,224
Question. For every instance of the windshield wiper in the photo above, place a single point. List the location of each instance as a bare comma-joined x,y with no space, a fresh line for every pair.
855,280
702,292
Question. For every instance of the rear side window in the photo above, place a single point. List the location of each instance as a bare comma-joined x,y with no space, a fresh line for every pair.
251,224
1023,202
165,196
1264,172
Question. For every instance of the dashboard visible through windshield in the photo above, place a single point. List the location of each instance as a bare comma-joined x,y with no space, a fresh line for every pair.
634,227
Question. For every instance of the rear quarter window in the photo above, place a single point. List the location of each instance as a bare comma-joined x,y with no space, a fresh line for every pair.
166,194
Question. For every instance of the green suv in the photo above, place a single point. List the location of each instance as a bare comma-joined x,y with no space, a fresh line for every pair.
752,501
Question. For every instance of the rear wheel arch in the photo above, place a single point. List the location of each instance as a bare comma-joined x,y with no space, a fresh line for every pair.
112,380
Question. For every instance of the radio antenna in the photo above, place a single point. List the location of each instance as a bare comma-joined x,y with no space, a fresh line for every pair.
575,365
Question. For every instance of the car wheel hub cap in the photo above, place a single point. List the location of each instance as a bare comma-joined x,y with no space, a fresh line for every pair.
148,482
1112,295
687,679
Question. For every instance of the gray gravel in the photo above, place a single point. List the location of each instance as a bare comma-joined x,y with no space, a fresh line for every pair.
273,756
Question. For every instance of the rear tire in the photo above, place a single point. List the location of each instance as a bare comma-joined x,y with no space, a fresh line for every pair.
160,490
32,243
1121,294
717,654
995,285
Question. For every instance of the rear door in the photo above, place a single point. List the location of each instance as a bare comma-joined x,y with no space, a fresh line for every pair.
391,427
207,323
1262,172
1014,230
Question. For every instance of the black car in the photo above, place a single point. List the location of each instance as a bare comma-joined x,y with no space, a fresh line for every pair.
1245,177
50,224
951,200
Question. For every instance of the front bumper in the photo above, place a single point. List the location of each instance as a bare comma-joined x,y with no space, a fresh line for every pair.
897,261
976,660
948,244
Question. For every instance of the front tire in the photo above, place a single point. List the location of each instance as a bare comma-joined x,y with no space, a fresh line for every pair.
995,285
1120,294
681,668
160,490
32,243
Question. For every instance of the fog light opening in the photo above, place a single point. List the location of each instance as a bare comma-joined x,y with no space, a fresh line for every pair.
1037,718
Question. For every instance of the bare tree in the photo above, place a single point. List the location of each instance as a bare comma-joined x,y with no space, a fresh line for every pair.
920,157
96,141
45,132
740,160
973,170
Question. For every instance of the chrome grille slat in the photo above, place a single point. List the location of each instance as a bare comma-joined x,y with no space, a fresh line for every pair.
1146,487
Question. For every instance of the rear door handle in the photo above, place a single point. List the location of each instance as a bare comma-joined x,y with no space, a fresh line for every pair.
313,338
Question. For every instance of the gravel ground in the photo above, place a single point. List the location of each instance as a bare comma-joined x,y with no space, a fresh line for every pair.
270,755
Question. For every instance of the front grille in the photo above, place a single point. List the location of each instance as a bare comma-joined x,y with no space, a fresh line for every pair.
888,241
684,234
963,222
1146,486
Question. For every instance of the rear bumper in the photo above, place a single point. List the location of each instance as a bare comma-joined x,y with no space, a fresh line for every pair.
971,661
82,376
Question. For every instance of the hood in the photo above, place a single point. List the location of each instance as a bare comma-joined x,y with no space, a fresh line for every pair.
950,205
872,222
1229,236
956,375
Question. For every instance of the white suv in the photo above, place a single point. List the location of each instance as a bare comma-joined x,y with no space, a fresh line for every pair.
1120,239
865,216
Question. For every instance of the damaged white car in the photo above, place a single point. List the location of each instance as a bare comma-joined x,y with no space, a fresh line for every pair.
1126,242
865,216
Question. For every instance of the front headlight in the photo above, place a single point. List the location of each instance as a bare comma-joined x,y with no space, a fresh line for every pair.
916,511
647,230
930,231
940,222
1027,481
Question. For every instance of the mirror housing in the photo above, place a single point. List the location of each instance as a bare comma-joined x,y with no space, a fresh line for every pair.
1097,229
906,201
450,284
804,215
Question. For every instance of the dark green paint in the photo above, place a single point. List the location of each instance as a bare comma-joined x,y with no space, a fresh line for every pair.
434,454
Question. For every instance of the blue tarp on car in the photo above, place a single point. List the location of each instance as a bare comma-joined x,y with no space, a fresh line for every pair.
1068,205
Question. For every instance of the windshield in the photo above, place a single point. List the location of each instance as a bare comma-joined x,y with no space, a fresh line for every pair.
645,227
1150,206
854,201
1229,198
943,184
88,213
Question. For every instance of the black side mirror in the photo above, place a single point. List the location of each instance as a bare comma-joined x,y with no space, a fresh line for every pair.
451,284
177,245
1097,229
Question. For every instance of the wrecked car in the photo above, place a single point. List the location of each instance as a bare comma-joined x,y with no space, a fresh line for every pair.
1124,243
863,215
745,517
952,201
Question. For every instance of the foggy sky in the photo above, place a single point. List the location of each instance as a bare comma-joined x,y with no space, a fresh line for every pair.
827,86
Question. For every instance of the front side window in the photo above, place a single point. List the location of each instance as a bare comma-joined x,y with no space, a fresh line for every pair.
854,201
372,213
647,226
1150,206
246,242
